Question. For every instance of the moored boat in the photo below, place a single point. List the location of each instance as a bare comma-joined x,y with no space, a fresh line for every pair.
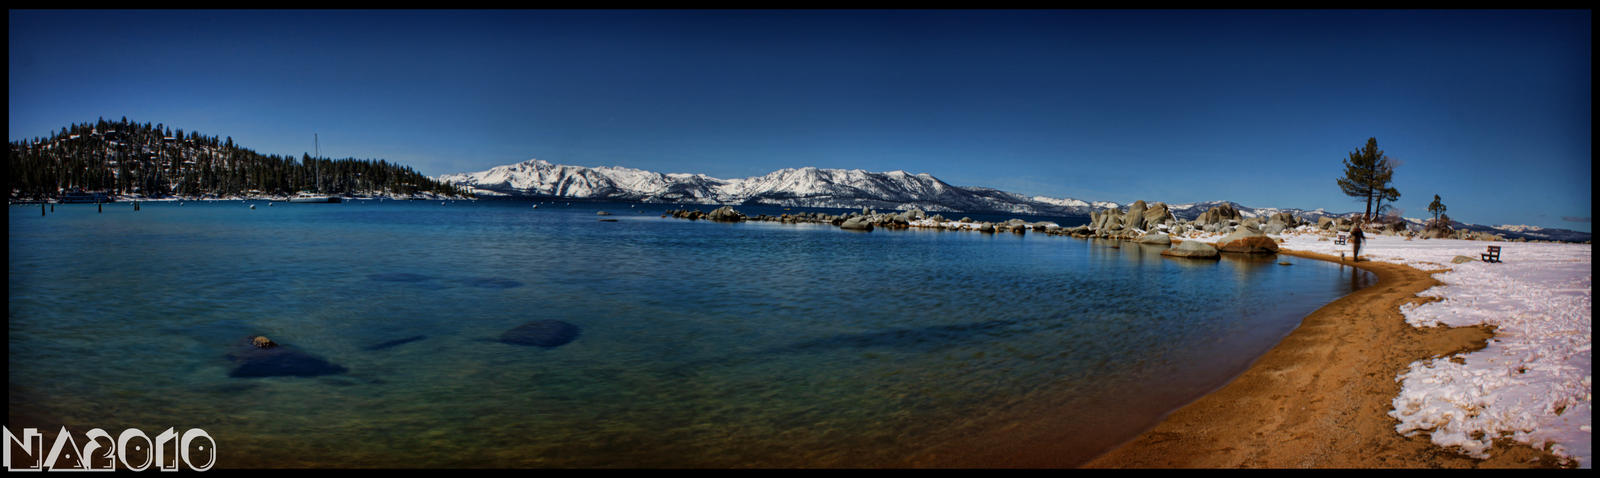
313,198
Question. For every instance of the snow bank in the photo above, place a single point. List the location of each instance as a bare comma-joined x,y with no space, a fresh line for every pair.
1532,383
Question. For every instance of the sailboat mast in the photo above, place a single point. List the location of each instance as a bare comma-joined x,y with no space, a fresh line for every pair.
316,144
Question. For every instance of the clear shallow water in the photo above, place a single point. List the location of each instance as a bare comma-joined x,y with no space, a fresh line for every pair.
702,344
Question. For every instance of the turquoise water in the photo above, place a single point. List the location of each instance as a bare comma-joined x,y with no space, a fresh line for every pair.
702,344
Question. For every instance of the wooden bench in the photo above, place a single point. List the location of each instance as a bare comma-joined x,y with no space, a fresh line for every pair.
1339,241
1493,254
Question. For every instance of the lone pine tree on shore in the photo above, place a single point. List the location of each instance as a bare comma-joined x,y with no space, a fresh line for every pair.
1367,174
1437,208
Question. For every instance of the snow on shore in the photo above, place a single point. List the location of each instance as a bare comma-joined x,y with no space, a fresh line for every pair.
1532,383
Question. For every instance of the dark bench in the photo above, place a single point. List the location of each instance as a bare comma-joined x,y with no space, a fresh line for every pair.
1493,255
1339,241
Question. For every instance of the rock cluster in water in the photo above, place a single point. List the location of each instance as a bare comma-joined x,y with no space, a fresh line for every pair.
1144,223
868,220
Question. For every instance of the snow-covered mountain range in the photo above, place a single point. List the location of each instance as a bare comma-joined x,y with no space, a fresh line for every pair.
838,188
802,187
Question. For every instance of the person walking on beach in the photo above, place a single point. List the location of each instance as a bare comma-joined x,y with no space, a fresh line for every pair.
1356,237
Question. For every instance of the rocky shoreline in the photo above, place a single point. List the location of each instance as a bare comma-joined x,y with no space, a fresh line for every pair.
1140,222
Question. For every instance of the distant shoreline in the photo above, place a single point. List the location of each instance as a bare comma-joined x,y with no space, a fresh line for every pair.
124,199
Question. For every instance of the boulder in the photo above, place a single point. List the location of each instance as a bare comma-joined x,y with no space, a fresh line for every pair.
262,342
1107,221
725,214
1437,233
1247,239
1324,222
541,333
1156,238
1219,215
1134,219
1285,219
915,214
1193,250
1157,214
856,223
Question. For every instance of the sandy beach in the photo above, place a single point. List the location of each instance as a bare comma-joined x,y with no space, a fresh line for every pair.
1321,398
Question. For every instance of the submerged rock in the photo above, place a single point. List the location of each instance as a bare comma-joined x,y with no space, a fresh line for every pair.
253,361
491,282
541,333
394,343
398,277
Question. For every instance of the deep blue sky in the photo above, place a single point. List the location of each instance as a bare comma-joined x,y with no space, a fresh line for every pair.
1488,109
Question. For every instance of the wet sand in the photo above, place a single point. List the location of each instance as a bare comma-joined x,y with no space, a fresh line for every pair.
1320,398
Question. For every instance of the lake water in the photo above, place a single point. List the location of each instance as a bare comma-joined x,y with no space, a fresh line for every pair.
701,345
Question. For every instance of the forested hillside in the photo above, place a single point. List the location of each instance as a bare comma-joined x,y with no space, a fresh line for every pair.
144,160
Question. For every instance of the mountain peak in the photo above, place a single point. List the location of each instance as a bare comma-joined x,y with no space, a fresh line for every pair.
807,186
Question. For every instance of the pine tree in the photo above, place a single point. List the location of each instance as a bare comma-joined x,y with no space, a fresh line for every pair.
1367,174
1437,208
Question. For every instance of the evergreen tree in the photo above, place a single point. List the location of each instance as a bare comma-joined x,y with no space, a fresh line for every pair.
1437,208
1367,174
